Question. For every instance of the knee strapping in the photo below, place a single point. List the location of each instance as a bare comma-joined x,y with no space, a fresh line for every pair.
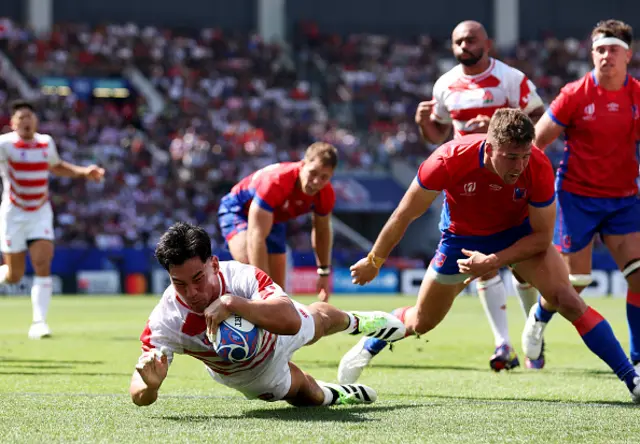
631,267
580,280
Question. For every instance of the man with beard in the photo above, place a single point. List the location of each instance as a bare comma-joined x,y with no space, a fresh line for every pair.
464,99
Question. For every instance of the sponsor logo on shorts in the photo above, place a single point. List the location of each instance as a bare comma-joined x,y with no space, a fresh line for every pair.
303,313
566,241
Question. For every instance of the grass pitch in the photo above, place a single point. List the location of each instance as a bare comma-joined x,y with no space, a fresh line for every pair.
73,387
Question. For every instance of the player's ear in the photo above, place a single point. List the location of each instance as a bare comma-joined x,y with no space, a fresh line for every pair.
488,148
215,264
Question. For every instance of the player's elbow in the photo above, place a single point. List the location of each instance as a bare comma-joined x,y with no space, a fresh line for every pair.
291,322
142,399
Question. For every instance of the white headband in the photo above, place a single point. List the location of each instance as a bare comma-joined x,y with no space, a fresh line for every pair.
602,40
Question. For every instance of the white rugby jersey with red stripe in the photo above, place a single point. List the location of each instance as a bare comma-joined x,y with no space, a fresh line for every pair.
174,326
460,98
24,166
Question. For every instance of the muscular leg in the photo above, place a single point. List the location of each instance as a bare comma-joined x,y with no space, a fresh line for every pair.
546,272
625,250
238,248
304,390
278,268
13,268
41,252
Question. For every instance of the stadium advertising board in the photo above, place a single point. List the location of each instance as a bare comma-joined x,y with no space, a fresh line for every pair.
23,288
385,282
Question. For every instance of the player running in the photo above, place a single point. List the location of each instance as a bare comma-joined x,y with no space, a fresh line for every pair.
204,292
253,215
499,211
464,99
26,217
596,181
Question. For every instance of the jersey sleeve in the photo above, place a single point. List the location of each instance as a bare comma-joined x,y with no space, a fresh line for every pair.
440,112
154,337
432,173
271,193
543,186
54,156
562,108
523,94
325,201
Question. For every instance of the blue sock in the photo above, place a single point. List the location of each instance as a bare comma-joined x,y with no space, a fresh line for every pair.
598,336
541,314
633,319
375,346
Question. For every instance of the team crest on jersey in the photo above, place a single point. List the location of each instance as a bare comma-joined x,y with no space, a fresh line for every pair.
488,97
439,259
519,193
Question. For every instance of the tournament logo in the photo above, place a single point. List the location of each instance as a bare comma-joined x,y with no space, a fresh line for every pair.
589,112
469,189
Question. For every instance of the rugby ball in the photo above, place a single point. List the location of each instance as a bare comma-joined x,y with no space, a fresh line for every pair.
237,340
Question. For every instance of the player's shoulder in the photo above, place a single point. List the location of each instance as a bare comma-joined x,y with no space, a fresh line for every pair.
168,312
10,137
501,69
237,276
448,78
463,147
43,138
581,85
539,161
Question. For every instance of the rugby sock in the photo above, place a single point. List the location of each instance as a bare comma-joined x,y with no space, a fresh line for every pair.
633,319
41,297
598,336
375,346
543,315
331,396
494,300
4,270
353,323
528,295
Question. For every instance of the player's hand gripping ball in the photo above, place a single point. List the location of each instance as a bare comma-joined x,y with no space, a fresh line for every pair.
237,340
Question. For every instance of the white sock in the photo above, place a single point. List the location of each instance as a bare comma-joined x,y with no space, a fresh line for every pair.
328,396
4,270
528,295
353,323
41,297
493,296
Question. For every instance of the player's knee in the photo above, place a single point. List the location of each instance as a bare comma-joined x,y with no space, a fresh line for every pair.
567,301
42,266
631,272
14,276
322,318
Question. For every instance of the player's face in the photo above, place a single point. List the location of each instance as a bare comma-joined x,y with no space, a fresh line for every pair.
314,176
196,282
611,59
469,46
509,162
24,122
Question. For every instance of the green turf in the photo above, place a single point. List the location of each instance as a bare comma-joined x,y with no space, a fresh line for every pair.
73,387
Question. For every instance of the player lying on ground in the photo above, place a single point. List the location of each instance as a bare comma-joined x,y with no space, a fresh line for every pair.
464,99
596,181
253,215
500,210
204,292
26,217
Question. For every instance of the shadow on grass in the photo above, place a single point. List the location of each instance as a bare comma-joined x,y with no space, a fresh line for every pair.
334,365
45,372
302,414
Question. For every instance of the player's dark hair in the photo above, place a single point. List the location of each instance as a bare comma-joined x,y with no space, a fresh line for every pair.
181,242
511,127
327,153
19,104
614,28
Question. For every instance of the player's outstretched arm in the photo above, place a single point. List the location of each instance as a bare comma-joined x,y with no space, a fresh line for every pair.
151,371
258,228
415,203
546,131
66,169
322,242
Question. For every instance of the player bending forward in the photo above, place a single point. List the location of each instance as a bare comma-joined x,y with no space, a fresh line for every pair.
204,292
500,210
253,215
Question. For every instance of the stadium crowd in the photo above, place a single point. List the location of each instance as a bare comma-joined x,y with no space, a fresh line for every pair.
233,104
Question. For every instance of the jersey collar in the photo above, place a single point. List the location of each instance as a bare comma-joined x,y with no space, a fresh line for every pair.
595,80
481,154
